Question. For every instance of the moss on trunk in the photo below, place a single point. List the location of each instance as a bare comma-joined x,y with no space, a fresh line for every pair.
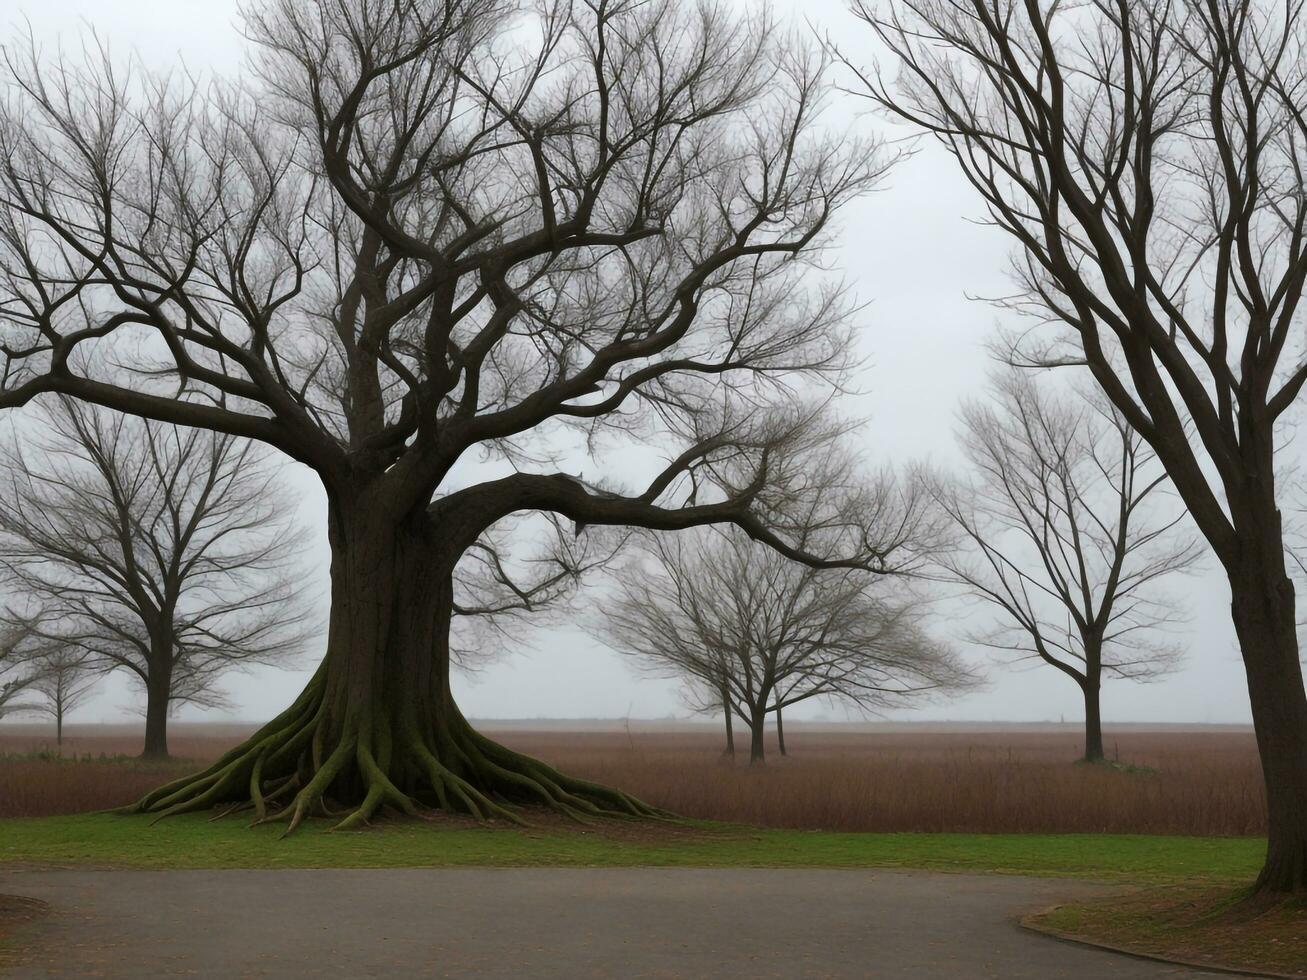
377,727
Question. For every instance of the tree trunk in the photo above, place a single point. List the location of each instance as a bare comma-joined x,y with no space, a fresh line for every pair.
730,730
158,699
59,728
1092,690
377,725
1262,605
780,731
757,729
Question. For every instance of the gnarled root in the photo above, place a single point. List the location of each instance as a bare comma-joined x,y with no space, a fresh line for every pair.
294,768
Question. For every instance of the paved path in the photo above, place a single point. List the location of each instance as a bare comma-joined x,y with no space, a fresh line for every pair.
548,923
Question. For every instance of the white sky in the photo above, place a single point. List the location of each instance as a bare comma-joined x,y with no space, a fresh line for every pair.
911,253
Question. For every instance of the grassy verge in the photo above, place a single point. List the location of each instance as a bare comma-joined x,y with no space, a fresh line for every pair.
1203,925
101,840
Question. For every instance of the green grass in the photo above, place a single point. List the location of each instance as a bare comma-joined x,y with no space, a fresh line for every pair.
194,842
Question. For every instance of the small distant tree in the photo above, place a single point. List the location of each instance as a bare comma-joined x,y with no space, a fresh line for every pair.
753,633
1061,532
15,674
136,545
498,594
61,680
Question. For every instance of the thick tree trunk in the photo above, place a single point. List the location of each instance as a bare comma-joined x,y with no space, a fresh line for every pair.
158,698
730,729
377,726
757,729
1264,619
59,729
780,731
1092,690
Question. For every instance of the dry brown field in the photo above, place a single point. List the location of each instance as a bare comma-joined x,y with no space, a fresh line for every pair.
974,779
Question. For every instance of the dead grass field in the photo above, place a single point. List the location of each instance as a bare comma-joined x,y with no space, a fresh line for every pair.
1195,781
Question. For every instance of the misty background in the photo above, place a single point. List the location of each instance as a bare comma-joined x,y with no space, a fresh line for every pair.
916,255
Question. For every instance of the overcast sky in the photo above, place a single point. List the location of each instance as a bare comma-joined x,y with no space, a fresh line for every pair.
913,252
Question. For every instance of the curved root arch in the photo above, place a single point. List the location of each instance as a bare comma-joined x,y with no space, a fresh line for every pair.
293,768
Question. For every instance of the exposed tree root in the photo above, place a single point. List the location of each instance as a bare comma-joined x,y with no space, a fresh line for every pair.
298,766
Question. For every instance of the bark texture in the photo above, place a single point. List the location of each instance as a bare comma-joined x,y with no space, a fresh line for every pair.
1092,689
158,696
757,731
728,711
1262,605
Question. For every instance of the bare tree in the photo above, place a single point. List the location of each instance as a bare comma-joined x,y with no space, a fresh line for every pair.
496,597
753,633
61,680
1061,533
16,676
1148,159
420,232
142,546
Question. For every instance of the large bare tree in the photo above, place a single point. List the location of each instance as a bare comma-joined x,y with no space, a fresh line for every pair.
1061,531
421,234
753,633
166,552
1148,159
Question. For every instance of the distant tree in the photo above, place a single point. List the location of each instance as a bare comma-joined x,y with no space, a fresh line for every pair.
1061,532
16,675
162,551
753,633
1147,159
498,594
61,680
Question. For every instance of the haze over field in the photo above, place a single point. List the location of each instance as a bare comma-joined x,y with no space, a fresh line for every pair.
914,258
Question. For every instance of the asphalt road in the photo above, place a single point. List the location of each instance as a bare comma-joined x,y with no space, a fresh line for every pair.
629,923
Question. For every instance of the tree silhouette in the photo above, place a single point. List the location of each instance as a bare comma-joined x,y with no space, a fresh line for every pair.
165,552
1059,536
60,681
16,675
428,233
1147,158
754,633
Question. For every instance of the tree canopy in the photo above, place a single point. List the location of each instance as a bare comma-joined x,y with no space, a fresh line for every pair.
458,257
445,227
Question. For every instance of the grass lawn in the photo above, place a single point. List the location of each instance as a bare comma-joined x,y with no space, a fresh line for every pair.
195,842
